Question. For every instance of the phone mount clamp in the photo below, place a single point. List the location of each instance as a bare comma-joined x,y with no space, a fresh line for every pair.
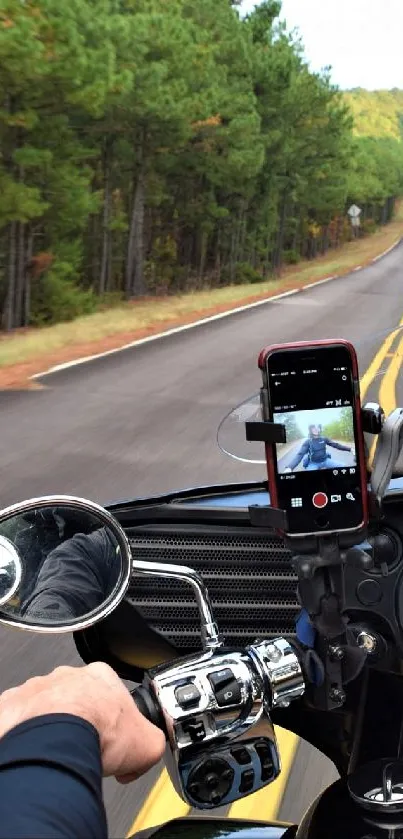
373,420
320,562
388,448
267,432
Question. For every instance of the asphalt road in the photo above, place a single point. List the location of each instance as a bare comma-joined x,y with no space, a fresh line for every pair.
143,421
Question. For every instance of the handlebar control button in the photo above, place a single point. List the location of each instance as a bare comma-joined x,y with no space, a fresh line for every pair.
226,688
247,780
187,696
211,781
196,730
263,751
241,755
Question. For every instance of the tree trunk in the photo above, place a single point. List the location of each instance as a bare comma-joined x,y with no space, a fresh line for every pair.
105,266
20,275
338,230
8,314
139,287
294,245
252,256
109,277
217,260
135,281
268,259
130,257
244,226
232,255
27,299
277,256
238,222
203,254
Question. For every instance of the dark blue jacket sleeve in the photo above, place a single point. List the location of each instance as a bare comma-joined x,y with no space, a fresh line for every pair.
335,445
51,780
298,457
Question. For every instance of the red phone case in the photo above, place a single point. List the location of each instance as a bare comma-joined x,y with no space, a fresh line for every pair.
271,470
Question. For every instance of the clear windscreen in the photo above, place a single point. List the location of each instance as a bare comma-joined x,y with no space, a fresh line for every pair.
380,357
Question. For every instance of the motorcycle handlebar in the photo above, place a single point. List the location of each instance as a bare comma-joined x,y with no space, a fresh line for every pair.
276,658
148,706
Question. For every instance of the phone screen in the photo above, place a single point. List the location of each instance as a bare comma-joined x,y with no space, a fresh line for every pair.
318,473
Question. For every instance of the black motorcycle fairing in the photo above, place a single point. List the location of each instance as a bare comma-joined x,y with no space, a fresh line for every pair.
207,828
334,815
368,727
111,641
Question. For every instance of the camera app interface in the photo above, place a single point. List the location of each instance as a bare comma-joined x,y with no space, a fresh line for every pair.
318,439
318,475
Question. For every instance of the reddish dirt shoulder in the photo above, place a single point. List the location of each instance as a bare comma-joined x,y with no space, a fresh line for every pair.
18,376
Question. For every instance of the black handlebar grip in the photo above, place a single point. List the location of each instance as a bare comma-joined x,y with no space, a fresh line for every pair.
148,706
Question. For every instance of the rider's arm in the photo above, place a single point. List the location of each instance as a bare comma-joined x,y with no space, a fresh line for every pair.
51,780
335,445
298,457
75,578
50,766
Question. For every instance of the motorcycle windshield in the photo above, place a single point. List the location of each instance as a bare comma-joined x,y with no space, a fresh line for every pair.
380,358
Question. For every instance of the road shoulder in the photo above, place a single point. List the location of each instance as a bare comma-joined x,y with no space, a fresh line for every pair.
24,374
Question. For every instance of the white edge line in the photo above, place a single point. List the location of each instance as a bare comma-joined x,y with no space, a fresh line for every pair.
388,250
59,367
185,327
320,282
358,268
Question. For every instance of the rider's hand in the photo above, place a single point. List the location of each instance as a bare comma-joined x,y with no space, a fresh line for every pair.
130,745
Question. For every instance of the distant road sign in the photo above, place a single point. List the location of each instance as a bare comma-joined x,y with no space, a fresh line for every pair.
354,212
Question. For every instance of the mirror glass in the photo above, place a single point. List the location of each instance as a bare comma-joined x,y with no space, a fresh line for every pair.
60,564
10,570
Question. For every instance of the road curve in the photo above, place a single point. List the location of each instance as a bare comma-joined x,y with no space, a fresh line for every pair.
143,421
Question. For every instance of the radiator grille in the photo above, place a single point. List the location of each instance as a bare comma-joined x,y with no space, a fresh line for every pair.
249,577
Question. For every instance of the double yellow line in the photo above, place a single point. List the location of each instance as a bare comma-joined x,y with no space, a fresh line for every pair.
163,802
387,388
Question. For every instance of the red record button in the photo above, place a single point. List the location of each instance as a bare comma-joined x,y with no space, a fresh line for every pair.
320,500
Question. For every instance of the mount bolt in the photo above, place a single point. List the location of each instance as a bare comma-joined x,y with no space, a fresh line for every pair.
337,695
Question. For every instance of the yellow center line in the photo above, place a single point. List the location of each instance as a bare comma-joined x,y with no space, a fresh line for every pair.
162,802
387,390
373,369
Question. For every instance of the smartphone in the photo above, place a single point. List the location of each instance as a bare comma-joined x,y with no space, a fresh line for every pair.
318,476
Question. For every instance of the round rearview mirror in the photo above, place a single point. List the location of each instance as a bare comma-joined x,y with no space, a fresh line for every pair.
65,563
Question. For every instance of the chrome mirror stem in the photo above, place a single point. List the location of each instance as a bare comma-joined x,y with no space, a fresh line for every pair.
209,630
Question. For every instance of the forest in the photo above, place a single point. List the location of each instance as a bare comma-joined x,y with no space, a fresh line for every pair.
376,113
152,147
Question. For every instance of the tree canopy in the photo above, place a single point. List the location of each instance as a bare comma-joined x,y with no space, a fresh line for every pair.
156,146
377,113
